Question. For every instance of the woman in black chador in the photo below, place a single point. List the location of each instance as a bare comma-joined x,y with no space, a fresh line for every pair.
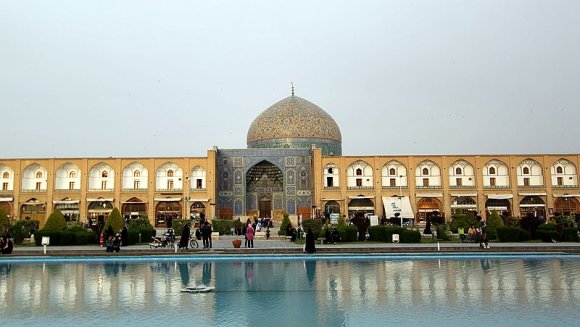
184,241
310,247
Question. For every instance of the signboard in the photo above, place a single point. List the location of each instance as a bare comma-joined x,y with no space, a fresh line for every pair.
334,218
374,220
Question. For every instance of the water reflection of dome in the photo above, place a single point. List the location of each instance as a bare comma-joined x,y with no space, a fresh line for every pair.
295,123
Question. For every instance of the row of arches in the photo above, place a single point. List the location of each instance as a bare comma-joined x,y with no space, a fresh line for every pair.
99,209
461,174
426,207
135,176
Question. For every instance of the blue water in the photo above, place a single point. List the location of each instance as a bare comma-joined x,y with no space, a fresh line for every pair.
400,290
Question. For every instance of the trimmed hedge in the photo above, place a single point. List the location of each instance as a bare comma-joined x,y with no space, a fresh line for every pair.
410,236
178,225
512,234
569,234
222,226
547,232
462,220
314,224
146,235
347,233
66,237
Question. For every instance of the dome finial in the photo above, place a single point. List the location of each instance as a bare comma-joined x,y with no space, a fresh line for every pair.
292,83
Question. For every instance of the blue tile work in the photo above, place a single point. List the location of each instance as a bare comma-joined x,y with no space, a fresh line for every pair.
329,147
234,164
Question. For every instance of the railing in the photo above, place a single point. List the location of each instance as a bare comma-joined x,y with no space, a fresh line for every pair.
101,190
564,186
66,190
428,187
461,186
496,186
531,186
360,187
198,189
6,191
134,190
169,190
32,191
389,187
328,188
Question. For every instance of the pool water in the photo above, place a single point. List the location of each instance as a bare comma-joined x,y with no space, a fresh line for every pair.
293,291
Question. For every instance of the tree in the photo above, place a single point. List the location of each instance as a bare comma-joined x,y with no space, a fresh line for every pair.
55,221
285,223
115,221
495,221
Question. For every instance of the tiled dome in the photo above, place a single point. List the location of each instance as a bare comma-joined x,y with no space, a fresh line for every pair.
294,122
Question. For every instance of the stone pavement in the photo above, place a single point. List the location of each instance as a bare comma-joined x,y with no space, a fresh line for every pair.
282,246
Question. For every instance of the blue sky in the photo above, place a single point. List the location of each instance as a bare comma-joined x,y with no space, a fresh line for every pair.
155,78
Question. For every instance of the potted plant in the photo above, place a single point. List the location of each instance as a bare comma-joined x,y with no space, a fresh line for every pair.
237,243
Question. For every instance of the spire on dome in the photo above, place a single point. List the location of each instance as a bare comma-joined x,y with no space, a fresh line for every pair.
292,88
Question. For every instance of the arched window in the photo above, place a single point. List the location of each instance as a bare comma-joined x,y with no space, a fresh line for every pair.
330,170
136,173
170,173
104,174
526,171
6,175
492,170
359,172
425,171
458,171
39,174
392,172
559,170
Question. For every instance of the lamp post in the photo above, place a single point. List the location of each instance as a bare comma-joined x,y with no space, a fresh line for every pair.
401,198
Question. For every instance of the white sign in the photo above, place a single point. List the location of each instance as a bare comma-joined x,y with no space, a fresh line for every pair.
334,218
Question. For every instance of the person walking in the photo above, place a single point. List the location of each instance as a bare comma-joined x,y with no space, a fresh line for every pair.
250,235
309,246
184,241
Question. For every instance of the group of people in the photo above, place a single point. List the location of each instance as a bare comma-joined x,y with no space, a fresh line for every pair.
6,245
114,241
475,234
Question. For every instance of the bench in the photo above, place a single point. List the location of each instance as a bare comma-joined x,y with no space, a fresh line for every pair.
215,236
260,235
321,239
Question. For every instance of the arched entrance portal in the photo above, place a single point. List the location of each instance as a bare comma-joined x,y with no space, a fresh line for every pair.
34,210
133,208
566,206
502,206
332,207
99,210
362,205
428,207
264,196
532,205
166,211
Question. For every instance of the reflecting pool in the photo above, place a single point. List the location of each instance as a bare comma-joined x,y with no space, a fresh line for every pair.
293,291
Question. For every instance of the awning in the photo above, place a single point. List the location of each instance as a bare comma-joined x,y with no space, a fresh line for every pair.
532,205
198,200
100,200
331,199
555,195
499,196
66,202
429,195
32,203
533,194
361,208
466,194
167,199
395,204
7,199
463,206
361,197
136,202
497,208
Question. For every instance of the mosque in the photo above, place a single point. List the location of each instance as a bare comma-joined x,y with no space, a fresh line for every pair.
293,164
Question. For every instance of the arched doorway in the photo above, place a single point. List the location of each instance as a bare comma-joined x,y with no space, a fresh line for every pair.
133,208
165,212
360,205
332,207
566,206
69,208
502,206
7,206
463,204
99,210
427,207
195,211
265,186
532,205
34,210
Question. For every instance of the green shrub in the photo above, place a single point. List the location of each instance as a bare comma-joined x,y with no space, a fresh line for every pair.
146,235
463,220
4,221
222,226
347,233
55,222
178,225
378,233
569,234
410,236
314,224
512,234
547,232
564,220
285,223
512,222
75,226
66,237
139,224
19,231
442,233
115,221
494,222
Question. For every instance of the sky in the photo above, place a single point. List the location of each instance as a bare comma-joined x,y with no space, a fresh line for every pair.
138,78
